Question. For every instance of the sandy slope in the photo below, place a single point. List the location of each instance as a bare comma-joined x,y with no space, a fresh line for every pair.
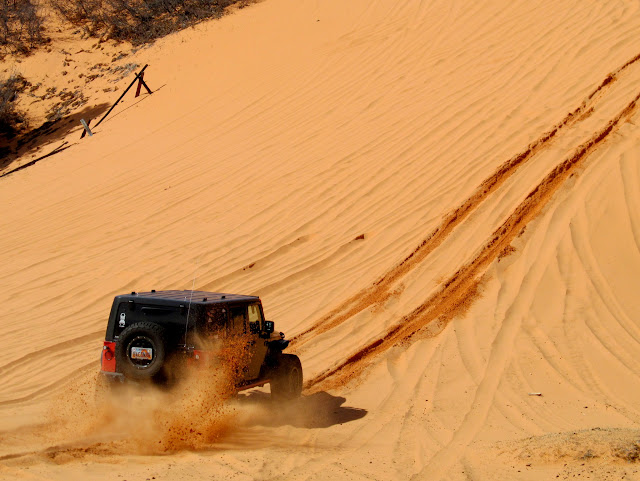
437,200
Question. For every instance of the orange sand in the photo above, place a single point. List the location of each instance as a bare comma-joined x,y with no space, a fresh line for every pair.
437,200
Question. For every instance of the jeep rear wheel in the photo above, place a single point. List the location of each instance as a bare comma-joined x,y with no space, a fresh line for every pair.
141,350
286,382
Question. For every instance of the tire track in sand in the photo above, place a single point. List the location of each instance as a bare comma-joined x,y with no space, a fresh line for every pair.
380,291
458,292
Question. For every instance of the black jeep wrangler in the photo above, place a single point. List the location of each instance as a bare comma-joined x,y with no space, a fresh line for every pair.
147,330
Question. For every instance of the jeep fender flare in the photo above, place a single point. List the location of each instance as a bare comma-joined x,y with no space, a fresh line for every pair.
278,345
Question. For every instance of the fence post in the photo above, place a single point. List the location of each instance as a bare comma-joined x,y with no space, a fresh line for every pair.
87,130
137,77
141,82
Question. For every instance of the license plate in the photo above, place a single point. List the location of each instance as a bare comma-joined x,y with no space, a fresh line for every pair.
142,353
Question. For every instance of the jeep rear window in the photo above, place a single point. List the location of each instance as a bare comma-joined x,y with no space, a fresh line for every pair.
215,318
238,319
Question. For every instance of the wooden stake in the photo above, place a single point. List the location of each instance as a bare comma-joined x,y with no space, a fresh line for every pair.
87,130
141,82
138,75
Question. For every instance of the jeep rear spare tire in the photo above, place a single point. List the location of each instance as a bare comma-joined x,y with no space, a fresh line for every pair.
286,382
140,350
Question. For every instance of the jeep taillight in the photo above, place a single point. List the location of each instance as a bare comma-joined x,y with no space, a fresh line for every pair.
108,359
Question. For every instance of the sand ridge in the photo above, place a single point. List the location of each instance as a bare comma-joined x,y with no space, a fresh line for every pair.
461,289
378,292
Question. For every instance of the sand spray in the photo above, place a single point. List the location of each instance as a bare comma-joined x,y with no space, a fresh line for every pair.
147,419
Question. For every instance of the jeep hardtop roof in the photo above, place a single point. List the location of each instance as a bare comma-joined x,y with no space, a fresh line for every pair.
180,297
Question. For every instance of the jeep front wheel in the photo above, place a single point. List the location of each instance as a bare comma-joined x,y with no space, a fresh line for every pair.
140,350
286,382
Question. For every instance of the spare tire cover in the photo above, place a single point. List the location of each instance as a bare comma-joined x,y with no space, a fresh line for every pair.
141,350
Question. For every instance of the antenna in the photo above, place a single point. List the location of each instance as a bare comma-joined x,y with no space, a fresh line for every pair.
186,328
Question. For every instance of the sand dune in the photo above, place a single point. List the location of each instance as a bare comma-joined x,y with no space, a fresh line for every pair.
435,200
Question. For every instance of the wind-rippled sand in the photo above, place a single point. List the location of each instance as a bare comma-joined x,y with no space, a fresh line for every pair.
438,201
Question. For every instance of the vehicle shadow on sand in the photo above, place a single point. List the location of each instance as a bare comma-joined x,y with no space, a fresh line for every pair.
313,411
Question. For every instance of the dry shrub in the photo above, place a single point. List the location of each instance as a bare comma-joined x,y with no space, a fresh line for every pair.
20,25
12,120
139,21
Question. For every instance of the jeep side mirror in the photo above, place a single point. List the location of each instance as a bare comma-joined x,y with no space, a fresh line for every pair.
268,327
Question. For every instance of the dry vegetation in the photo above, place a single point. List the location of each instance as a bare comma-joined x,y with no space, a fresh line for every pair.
22,28
20,25
138,21
11,119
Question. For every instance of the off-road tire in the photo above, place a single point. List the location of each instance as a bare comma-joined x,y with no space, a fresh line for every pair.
286,381
143,334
